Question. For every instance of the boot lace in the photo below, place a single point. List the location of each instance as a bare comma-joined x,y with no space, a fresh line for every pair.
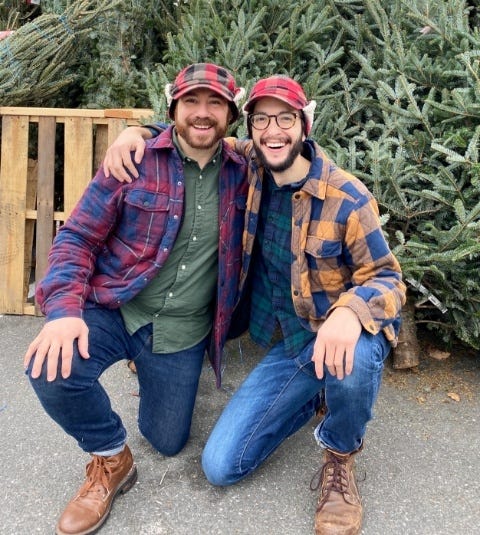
334,473
98,476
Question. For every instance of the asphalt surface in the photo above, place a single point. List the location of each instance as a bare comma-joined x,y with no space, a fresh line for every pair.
419,473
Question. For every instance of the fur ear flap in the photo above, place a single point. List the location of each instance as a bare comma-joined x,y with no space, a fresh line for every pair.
245,115
168,94
239,95
308,112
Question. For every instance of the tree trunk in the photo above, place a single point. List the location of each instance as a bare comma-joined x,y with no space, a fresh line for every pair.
407,352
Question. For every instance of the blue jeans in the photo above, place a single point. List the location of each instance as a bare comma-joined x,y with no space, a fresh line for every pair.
280,396
168,386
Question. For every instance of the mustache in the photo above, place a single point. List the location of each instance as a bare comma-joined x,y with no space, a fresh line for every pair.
202,122
264,141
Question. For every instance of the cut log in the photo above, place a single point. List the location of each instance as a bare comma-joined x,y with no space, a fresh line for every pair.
407,352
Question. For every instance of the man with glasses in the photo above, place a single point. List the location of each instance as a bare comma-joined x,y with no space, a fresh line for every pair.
326,294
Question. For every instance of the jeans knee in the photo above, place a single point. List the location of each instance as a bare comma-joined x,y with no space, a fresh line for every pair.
168,446
218,471
47,389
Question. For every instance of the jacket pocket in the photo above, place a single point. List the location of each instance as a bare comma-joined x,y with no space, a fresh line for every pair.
326,265
149,201
319,248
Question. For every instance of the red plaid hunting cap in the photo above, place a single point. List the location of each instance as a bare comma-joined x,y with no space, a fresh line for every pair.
208,76
285,89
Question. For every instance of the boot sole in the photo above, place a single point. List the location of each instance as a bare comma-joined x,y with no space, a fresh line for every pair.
125,486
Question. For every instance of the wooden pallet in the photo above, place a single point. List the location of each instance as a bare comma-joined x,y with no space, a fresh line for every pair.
28,219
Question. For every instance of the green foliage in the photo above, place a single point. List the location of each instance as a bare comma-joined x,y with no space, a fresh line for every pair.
124,45
397,86
15,13
35,60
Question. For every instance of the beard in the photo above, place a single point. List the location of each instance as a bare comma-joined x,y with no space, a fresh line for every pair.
296,148
197,140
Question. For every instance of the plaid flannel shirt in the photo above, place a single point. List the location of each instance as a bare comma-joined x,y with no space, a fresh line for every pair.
119,236
339,254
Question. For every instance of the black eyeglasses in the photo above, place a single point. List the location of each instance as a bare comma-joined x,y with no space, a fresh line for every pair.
284,120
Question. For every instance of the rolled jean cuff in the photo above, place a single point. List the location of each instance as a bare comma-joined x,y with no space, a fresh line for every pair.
110,452
324,446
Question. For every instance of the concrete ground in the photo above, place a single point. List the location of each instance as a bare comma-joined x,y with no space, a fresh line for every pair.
419,473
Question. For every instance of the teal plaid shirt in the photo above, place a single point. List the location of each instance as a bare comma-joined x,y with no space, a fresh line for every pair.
271,282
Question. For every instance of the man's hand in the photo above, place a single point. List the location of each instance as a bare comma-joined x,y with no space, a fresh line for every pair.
335,343
118,157
55,338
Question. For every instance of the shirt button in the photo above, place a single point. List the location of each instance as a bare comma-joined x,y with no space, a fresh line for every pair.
170,294
200,177
165,249
199,207
156,315
179,183
184,267
175,216
296,292
194,238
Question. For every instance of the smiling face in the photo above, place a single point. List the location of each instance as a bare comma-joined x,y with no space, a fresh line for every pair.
201,120
277,149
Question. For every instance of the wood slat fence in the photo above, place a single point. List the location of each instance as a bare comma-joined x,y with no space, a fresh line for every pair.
40,183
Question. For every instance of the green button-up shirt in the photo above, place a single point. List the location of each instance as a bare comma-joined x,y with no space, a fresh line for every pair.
179,301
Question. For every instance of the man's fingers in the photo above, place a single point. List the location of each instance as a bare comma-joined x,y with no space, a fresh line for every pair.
83,345
335,361
318,357
29,354
38,361
126,163
139,152
52,362
349,356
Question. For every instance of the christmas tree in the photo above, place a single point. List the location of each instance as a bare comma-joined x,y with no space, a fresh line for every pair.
397,85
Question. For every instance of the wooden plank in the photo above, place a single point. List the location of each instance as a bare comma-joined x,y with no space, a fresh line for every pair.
133,113
57,216
121,113
45,193
101,145
29,310
50,112
30,203
13,186
78,162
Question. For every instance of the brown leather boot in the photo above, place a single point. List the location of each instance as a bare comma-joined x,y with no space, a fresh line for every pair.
105,478
339,511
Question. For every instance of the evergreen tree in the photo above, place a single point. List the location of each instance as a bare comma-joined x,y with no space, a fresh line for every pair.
397,85
36,60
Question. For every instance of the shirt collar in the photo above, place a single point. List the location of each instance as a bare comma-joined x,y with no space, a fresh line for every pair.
187,158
